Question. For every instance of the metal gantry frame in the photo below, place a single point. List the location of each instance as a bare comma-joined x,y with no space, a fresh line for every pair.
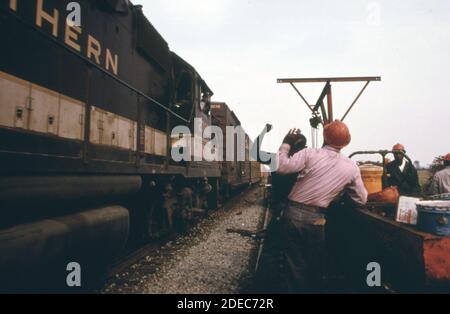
327,112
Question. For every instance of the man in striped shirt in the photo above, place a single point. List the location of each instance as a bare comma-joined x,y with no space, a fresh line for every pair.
323,175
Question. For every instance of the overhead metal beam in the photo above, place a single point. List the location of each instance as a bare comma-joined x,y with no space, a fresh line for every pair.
327,113
324,93
330,79
330,105
320,104
324,113
354,102
303,98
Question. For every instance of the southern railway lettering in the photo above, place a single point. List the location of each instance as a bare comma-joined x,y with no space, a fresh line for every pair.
71,36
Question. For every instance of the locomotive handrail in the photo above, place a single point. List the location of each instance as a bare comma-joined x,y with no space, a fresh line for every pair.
91,63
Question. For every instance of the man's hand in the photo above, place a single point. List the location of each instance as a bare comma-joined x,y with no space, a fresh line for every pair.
292,137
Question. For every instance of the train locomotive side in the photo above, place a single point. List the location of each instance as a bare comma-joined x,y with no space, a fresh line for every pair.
239,171
85,126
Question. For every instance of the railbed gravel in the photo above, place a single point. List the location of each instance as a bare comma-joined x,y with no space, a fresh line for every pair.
207,259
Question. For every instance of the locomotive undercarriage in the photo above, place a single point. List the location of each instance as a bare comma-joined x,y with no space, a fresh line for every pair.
49,222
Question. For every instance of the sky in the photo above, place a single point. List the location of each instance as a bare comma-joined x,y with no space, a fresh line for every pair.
241,47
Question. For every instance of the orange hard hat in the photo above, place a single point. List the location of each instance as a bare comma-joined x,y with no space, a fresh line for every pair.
337,134
399,148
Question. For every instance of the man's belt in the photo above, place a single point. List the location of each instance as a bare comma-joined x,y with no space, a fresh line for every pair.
309,208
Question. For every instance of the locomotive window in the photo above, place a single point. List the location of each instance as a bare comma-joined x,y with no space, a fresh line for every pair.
205,103
184,89
183,105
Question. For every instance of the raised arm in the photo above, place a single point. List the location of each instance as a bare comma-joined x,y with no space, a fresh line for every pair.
286,164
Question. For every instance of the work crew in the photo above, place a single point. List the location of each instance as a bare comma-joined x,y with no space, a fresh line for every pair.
441,180
324,174
402,173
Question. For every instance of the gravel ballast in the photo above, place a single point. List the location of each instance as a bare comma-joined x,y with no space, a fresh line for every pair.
208,259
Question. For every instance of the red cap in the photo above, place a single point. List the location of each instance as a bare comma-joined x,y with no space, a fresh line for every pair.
399,148
447,157
337,134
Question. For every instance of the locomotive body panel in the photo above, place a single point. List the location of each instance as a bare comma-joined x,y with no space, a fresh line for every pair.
89,93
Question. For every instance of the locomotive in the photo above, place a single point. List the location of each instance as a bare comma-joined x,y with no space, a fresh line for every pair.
85,128
241,171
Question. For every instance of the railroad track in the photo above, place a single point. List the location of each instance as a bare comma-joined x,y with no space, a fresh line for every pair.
261,242
131,258
156,250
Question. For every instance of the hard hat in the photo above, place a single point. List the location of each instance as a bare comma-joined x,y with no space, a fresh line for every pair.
399,148
337,134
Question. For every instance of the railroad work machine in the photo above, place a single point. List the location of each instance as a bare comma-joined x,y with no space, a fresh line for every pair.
85,126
